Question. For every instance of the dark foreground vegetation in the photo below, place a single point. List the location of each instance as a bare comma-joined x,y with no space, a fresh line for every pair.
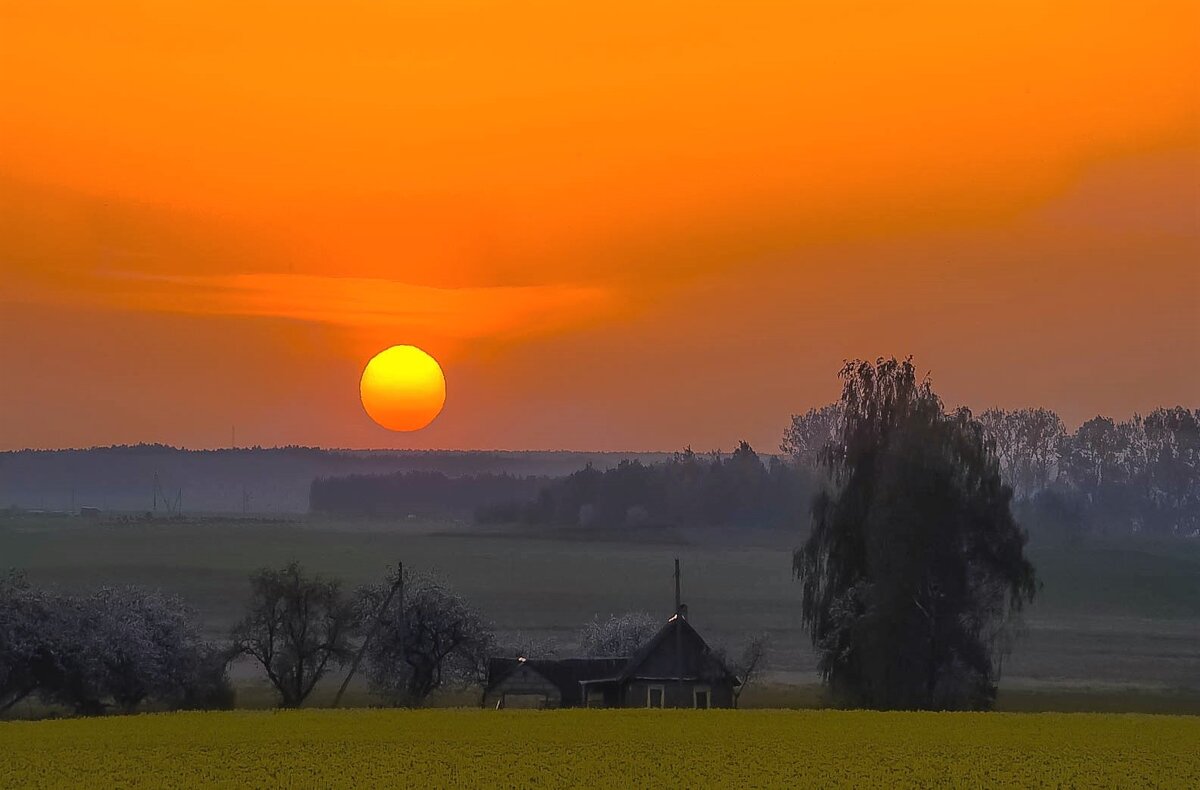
127,649
115,649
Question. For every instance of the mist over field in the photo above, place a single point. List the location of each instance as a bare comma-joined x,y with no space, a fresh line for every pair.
275,480
1118,624
543,542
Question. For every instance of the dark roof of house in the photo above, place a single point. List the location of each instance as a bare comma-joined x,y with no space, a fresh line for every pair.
710,666
566,674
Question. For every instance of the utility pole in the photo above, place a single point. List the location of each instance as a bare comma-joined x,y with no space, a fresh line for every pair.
679,617
678,599
397,589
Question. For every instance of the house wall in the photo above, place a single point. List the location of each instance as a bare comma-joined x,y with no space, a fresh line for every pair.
722,695
677,695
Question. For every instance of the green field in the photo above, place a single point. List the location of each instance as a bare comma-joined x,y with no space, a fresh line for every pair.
462,748
1116,627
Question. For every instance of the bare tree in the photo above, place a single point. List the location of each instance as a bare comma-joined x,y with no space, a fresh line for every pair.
619,635
1029,444
430,638
1172,442
1000,428
297,627
750,665
1043,437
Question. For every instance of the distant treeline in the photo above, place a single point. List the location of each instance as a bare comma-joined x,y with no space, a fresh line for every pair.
403,493
245,479
1137,476
686,490
1141,475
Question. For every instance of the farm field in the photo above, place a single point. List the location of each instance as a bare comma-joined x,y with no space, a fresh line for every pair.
1116,627
461,748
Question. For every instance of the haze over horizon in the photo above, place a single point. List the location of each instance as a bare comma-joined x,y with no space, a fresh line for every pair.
214,216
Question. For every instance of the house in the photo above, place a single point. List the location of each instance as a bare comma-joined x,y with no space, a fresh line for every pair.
675,669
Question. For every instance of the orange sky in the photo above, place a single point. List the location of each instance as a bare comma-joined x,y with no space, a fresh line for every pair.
618,225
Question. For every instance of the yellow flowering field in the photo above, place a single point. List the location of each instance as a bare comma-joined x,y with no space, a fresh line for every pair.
582,748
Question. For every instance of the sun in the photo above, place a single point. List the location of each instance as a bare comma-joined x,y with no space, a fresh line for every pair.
403,388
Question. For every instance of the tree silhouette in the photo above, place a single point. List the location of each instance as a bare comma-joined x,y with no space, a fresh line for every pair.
298,628
429,637
914,567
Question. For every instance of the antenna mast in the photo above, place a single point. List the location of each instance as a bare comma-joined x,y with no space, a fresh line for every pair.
680,615
174,505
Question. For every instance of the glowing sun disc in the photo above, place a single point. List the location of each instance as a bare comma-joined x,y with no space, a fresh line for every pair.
403,388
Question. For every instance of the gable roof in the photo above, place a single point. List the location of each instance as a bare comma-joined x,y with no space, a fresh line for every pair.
564,673
698,660
654,660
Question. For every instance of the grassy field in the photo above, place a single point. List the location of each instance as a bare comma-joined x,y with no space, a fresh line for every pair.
1115,627
457,748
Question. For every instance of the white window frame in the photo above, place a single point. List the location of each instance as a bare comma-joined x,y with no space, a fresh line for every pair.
696,692
662,696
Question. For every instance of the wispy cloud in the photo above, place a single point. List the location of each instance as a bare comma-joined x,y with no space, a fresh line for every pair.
366,303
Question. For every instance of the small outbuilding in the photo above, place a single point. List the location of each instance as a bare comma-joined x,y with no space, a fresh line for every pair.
545,683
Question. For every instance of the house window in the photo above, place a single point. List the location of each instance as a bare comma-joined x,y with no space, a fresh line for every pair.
654,697
702,698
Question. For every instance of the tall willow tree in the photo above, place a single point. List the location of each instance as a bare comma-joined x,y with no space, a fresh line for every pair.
914,569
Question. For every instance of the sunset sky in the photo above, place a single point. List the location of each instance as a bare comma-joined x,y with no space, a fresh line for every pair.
618,225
